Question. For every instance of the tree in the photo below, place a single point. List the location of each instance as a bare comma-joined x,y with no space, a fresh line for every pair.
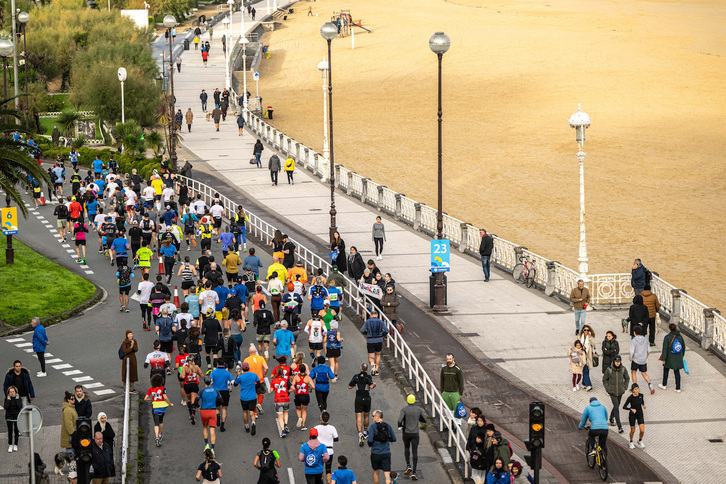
67,121
155,142
129,135
15,164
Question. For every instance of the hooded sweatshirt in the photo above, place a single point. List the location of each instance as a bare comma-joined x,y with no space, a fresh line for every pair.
410,417
639,349
314,455
598,415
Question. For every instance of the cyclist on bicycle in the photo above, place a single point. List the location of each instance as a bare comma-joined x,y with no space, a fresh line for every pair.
598,416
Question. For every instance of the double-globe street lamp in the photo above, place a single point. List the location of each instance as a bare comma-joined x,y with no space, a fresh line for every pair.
581,121
439,44
170,23
23,18
329,31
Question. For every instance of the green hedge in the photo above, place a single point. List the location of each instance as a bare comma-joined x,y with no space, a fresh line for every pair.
143,165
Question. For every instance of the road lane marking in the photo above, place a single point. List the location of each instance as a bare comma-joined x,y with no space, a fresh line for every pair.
14,340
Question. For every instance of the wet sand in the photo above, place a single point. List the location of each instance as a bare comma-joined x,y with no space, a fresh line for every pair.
649,73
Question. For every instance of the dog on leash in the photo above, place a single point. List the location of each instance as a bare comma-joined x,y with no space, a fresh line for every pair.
209,116
63,459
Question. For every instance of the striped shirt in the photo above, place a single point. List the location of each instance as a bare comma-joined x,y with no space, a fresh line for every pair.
186,273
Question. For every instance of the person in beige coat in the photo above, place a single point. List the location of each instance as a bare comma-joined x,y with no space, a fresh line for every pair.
577,362
69,420
189,117
653,304
587,338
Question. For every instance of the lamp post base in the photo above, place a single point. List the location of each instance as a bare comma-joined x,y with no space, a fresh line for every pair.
10,252
439,294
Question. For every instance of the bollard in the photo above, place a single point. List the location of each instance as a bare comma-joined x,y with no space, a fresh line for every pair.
379,203
337,177
297,151
551,277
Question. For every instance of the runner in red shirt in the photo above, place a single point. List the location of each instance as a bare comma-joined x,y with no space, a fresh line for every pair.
281,386
75,210
159,403
302,383
286,370
179,362
191,373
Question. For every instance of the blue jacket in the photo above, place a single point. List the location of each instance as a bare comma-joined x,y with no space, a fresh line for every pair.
374,329
598,415
498,478
40,339
254,262
321,375
376,446
26,378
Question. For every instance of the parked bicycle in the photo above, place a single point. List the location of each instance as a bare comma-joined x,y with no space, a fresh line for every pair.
524,272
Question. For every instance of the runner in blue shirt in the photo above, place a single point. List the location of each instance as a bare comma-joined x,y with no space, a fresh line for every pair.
322,375
92,208
247,380
284,342
343,475
314,454
101,186
335,294
208,400
221,378
227,239
223,294
97,166
318,295
121,246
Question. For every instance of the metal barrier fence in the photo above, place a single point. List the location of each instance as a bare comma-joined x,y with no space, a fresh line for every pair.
125,444
357,301
606,290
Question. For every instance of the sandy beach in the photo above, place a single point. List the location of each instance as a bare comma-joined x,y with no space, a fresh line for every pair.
649,73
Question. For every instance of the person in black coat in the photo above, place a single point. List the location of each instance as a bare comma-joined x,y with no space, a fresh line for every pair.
13,404
356,266
342,260
84,408
479,428
102,460
638,315
103,426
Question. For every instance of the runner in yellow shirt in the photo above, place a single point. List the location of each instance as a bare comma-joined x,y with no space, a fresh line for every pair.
143,256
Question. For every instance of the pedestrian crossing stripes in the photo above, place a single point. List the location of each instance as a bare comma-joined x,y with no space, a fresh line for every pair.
14,340
54,360
72,372
106,391
20,345
62,367
93,385
82,379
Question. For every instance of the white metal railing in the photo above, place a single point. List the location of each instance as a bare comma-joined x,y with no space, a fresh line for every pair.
719,331
357,301
125,440
605,289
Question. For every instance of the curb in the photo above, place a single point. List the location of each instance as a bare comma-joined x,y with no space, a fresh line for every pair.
434,436
99,295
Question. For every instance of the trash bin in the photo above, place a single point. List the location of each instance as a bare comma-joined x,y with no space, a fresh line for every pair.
269,112
186,44
432,290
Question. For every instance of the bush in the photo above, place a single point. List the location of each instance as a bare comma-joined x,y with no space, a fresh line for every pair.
143,165
53,104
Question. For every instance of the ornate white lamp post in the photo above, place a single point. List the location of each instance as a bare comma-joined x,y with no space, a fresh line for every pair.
581,121
323,67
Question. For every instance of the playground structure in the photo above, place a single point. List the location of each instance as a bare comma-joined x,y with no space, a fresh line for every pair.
344,21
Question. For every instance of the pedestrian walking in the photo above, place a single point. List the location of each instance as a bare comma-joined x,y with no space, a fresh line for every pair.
672,356
189,117
40,342
290,169
178,62
610,349
102,460
267,462
314,454
452,382
576,358
205,56
615,380
640,276
129,347
203,97
103,426
68,422
635,406
254,11
638,316
355,263
257,152
327,435
375,330
580,298
223,106
650,300
486,246
409,420
380,436
240,123
196,42
216,116
13,403
378,233
209,471
639,350
587,338
274,166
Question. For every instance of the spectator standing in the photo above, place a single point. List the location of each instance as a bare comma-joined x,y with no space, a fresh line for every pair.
674,349
40,342
103,426
587,338
378,234
640,276
615,380
580,298
452,382
380,436
129,347
68,425
12,406
102,460
409,420
341,261
610,349
485,251
83,405
638,316
19,377
650,300
356,266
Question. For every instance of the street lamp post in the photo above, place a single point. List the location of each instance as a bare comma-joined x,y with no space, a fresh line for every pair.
227,81
439,44
243,41
323,66
23,18
122,78
7,48
170,23
581,121
329,31
15,54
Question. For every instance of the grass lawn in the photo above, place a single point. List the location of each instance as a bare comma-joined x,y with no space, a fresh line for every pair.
37,286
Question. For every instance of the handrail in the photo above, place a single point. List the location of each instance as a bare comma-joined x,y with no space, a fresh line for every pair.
362,305
125,444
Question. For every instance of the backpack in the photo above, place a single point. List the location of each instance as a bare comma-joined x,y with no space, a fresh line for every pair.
648,276
381,432
121,352
62,211
267,459
124,277
147,224
189,221
575,356
676,346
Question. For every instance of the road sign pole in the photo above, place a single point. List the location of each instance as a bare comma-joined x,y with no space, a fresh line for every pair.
32,442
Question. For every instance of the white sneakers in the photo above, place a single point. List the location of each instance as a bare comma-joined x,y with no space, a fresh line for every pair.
631,445
40,374
640,444
661,386
10,448
575,388
380,257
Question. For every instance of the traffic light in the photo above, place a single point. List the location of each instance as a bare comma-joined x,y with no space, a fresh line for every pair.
84,427
537,424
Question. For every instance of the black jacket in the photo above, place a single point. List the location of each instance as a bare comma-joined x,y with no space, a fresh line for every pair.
610,348
84,408
486,246
258,147
227,349
102,461
473,432
638,314
12,407
356,266
26,380
108,434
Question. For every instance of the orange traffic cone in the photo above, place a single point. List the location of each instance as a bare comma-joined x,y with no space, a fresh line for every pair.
161,266
176,297
42,199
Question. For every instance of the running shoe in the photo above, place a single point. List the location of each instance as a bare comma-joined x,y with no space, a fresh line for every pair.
121,308
127,309
413,474
287,429
283,434
158,442
303,428
259,409
206,446
408,471
247,428
299,422
194,422
253,429
631,445
161,437
640,444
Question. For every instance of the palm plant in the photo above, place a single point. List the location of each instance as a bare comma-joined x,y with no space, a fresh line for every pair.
129,136
15,164
67,121
155,142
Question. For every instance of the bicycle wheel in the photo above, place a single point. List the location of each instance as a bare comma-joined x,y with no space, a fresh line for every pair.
590,458
530,277
603,470
517,273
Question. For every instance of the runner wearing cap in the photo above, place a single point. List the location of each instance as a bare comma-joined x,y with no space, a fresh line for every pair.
247,381
314,455
205,233
409,421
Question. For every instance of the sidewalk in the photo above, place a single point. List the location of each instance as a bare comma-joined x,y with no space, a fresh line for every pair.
496,319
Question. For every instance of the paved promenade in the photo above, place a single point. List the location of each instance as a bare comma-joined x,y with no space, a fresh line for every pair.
521,334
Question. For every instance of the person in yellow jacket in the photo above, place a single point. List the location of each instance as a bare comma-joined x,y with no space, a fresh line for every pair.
277,267
289,169
205,231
